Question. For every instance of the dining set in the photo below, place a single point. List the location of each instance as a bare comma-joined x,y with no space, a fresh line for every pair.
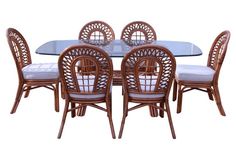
84,74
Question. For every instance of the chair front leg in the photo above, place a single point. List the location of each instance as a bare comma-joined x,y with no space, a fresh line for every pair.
19,93
180,97
170,119
109,114
125,114
63,119
73,112
162,110
174,90
56,97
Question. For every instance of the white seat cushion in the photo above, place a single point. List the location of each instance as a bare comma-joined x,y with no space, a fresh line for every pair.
41,71
194,73
88,96
146,96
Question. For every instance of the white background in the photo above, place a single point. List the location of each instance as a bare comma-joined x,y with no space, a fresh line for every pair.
202,133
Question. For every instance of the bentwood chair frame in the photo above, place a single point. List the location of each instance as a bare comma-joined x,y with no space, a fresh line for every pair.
135,34
147,73
86,85
215,60
21,54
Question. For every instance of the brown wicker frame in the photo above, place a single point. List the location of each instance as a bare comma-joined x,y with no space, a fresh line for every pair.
21,54
97,33
159,64
102,70
131,34
215,60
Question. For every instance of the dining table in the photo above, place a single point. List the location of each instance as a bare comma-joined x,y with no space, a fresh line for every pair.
118,48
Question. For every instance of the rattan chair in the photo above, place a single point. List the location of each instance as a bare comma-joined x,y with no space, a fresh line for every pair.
203,78
135,34
97,33
138,33
86,85
31,75
147,73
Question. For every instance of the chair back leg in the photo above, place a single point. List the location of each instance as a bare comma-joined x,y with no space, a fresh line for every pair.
218,100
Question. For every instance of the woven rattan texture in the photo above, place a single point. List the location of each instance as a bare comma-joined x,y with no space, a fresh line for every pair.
218,50
137,33
19,48
153,63
97,33
99,61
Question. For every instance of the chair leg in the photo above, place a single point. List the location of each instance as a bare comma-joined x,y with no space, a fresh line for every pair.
19,93
110,104
218,100
174,90
62,91
73,114
170,119
56,97
125,114
162,111
209,91
63,119
81,111
153,111
27,92
179,101
109,114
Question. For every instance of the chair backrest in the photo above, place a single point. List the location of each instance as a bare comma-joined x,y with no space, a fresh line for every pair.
97,33
19,48
217,52
148,69
94,78
138,33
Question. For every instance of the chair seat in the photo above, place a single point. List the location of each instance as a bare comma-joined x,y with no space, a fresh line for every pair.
194,73
41,71
87,96
146,96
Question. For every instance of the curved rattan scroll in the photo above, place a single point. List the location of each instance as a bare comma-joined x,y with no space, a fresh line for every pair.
148,69
97,33
137,33
95,76
218,50
19,48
